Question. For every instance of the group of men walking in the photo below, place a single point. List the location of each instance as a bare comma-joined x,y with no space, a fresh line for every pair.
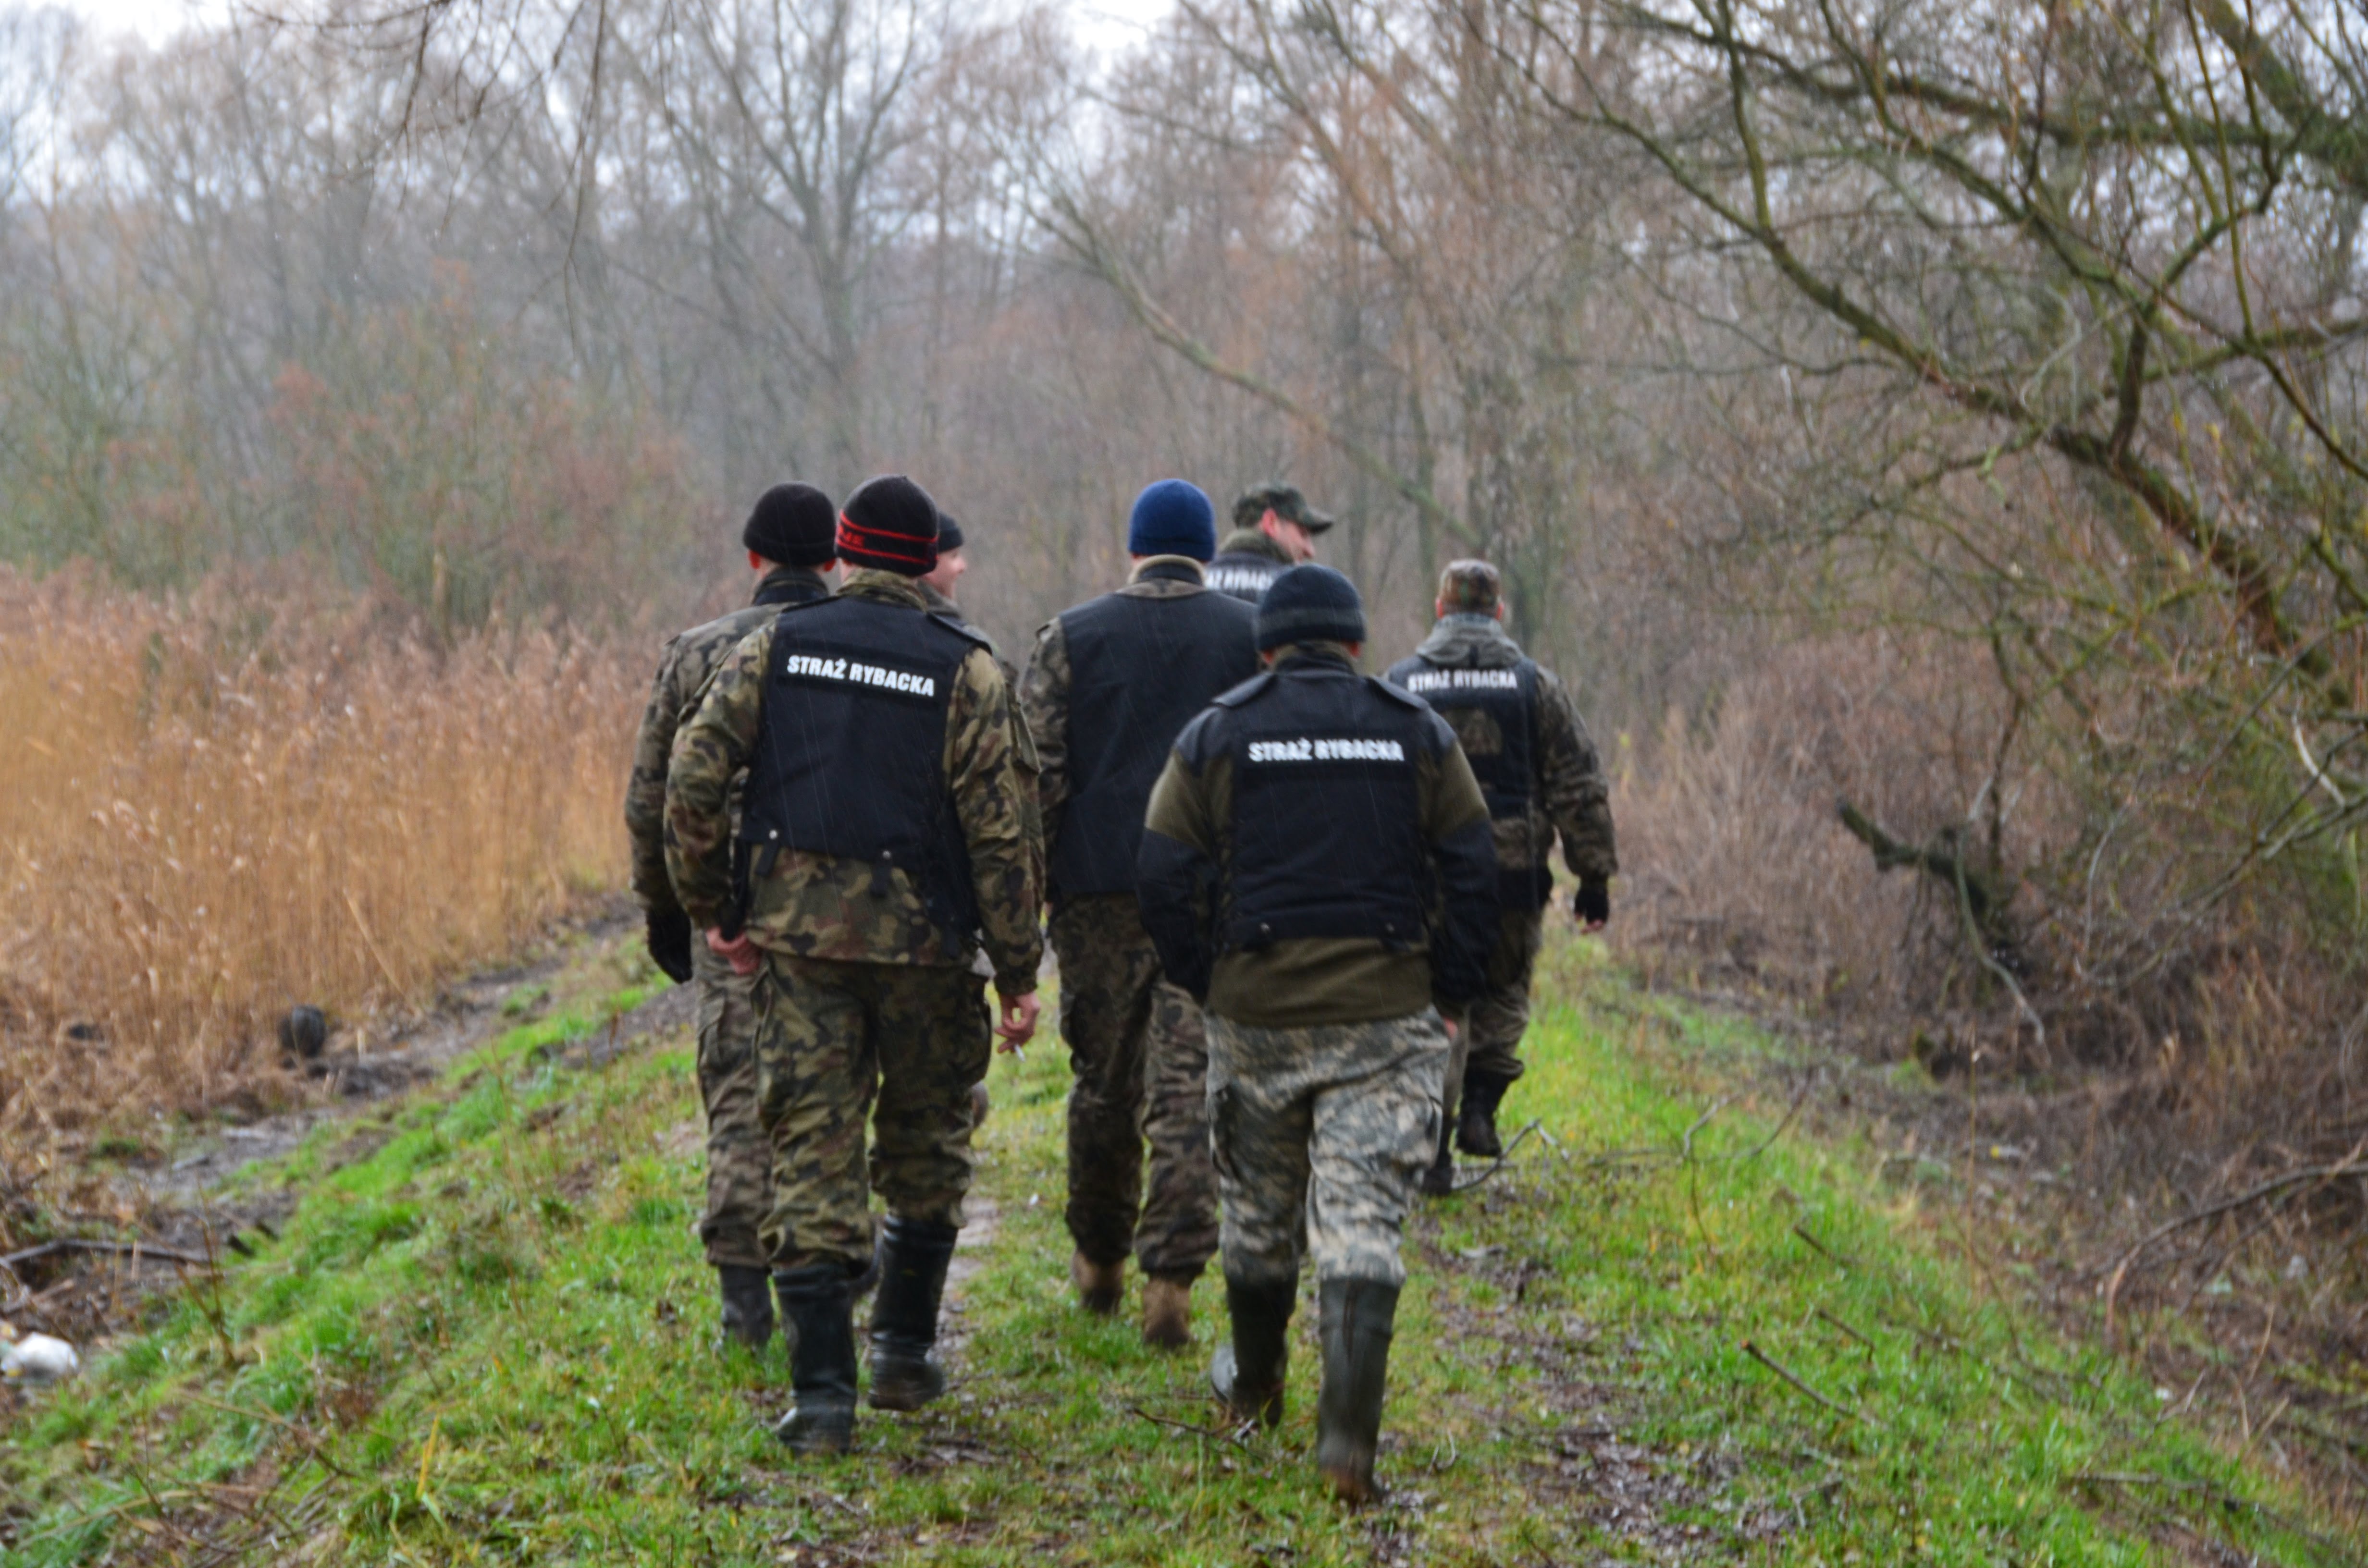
1275,889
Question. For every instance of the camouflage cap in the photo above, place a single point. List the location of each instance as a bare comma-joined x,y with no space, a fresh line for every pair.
1470,588
1284,501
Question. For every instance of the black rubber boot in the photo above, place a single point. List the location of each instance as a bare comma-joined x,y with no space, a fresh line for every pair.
747,1304
821,1318
1357,1319
913,1258
1248,1370
1438,1180
1475,1130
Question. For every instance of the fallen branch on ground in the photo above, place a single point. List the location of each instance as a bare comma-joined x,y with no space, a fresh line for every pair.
1802,1388
2351,1164
119,1249
1217,1432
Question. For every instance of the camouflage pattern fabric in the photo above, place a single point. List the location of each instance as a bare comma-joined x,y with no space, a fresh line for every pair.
1489,1043
739,1155
1572,797
821,906
1140,1058
1326,1126
841,1047
683,671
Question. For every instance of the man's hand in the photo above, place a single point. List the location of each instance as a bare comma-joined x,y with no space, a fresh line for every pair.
739,952
670,943
1018,1023
1592,905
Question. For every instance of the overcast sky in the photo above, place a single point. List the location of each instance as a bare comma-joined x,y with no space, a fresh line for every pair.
1102,25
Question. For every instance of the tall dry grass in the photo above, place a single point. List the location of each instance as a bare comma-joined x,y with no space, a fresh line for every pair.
215,806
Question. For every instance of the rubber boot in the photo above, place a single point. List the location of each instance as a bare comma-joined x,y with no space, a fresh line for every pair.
913,1258
1247,1374
1099,1285
1167,1311
1475,1130
1357,1318
821,1317
1437,1179
747,1304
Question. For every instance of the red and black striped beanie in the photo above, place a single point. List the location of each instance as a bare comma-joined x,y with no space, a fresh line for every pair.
889,523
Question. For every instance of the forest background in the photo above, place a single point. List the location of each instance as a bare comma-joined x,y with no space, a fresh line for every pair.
1928,436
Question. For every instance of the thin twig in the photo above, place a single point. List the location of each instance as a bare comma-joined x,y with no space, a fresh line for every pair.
1822,1250
80,1244
301,1435
2140,1480
1807,1083
1686,1144
2349,1164
1219,1433
1502,1156
1786,1373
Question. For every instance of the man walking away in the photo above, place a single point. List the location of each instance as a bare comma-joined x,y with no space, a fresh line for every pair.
1317,869
1274,529
1538,767
1109,685
790,540
886,836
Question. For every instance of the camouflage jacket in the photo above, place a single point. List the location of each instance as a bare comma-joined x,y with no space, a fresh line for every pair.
1045,689
1570,796
1318,980
690,658
820,906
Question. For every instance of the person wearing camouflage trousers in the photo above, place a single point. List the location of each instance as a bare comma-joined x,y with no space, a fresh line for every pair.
1316,867
1108,687
790,540
888,835
1538,768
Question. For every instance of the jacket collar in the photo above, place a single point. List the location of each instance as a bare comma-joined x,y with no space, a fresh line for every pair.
1167,569
1311,658
790,586
882,587
1250,541
1470,643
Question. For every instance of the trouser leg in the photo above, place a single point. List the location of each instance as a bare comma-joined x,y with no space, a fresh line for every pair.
739,1155
934,1042
1491,1036
1177,1234
1108,971
815,1070
1372,1134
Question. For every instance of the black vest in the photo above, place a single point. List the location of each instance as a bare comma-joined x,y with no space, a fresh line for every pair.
1495,714
1326,833
1140,669
1244,574
850,748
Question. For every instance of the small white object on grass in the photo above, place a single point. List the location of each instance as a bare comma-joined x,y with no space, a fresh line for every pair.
37,1359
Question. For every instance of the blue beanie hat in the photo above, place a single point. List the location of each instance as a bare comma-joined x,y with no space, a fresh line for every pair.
1172,518
1310,604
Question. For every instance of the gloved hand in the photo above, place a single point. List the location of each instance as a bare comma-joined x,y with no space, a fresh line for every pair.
1592,905
670,943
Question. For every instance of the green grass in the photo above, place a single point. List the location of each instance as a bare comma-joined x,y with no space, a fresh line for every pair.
487,1335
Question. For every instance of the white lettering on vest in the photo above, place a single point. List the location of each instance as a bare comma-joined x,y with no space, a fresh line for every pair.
1462,680
814,667
1329,750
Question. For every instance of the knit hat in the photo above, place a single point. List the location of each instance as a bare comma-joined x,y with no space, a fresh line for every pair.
794,525
1310,604
889,523
1172,518
1284,501
1470,588
949,538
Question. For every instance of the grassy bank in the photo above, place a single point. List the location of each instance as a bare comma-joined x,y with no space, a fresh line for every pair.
485,1334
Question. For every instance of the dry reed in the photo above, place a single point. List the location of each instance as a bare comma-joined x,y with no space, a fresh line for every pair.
216,806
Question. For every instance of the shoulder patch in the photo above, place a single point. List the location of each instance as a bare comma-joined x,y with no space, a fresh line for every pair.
1254,687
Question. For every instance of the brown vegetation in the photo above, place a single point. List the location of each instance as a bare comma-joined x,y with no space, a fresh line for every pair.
218,805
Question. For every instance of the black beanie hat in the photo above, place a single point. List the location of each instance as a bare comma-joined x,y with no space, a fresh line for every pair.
1310,604
889,523
794,525
949,537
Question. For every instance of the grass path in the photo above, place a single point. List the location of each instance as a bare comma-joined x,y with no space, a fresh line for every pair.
485,1335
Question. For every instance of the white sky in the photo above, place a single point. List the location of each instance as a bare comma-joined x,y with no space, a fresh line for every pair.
1103,26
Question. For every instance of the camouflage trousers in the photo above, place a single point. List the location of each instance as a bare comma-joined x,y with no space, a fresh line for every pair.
1322,1131
847,1049
739,1157
1141,1063
1488,1045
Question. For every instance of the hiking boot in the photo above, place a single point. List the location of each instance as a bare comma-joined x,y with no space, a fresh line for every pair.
1437,1179
747,1304
821,1318
1247,1373
1475,1130
1099,1285
1167,1311
1356,1317
913,1254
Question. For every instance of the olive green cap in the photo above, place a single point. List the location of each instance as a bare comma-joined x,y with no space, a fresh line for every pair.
1284,501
